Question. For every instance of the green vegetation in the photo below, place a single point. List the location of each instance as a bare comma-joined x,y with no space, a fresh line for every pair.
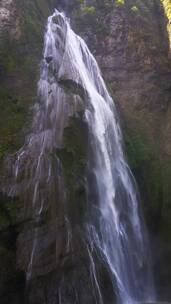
146,168
167,9
18,66
8,212
119,2
13,116
74,161
134,9
88,10
154,179
89,17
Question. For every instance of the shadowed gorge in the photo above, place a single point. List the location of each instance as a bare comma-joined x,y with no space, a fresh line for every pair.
71,219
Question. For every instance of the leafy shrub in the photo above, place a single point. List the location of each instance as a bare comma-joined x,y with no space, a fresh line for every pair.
88,10
134,9
120,2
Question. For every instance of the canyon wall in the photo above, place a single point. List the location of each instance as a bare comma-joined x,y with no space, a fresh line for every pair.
130,40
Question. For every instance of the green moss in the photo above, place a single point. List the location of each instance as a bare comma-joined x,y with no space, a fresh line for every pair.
154,179
18,76
9,209
165,202
13,117
73,155
143,162
138,147
74,162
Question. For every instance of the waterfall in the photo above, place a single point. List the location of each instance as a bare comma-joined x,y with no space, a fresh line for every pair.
114,232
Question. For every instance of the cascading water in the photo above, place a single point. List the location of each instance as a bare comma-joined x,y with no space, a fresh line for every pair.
112,226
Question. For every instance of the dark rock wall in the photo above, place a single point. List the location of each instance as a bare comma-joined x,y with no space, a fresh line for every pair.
21,41
130,42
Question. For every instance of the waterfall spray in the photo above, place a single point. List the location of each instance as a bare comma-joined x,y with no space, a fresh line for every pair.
113,229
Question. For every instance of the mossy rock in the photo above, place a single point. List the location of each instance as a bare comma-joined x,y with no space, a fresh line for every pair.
154,179
9,209
73,157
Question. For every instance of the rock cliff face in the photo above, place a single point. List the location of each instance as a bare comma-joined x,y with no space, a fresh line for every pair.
131,44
